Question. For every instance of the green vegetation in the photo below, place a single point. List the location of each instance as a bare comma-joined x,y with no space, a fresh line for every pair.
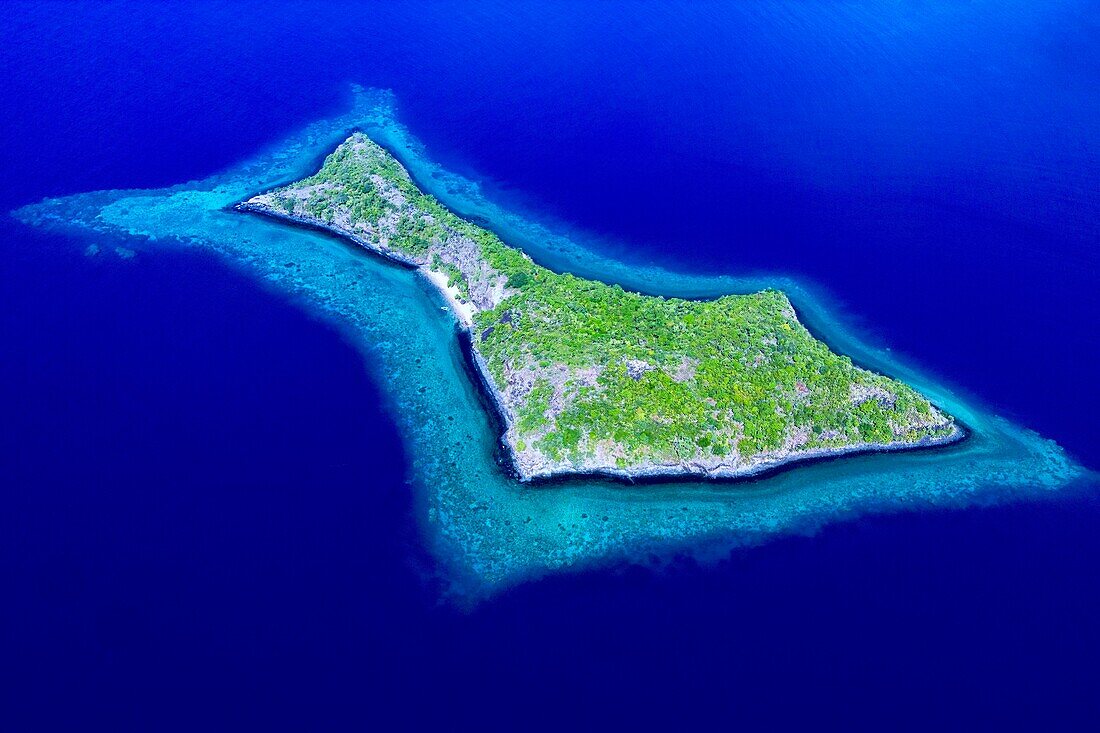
598,377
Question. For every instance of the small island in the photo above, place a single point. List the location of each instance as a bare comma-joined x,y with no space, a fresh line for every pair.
591,379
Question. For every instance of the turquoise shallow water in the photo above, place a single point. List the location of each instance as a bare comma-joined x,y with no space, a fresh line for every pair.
486,530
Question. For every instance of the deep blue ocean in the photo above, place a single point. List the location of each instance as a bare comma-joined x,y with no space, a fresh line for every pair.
186,543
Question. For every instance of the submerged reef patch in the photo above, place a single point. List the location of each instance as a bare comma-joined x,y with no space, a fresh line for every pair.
486,529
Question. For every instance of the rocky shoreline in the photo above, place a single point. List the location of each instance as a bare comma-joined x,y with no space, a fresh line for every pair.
318,225
633,474
671,472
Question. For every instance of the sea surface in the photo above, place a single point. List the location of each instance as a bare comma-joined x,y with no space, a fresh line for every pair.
206,517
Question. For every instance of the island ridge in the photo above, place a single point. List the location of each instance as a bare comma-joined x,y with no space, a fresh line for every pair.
593,379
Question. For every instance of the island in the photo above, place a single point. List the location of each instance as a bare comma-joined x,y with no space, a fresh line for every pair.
592,379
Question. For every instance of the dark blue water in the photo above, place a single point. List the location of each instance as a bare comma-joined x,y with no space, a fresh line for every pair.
204,522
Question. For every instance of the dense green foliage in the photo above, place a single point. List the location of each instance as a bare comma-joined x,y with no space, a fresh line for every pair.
595,373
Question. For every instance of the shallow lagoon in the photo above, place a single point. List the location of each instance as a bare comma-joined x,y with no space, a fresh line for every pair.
486,530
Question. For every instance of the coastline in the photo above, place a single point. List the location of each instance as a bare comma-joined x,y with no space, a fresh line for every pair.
462,311
763,469
462,316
